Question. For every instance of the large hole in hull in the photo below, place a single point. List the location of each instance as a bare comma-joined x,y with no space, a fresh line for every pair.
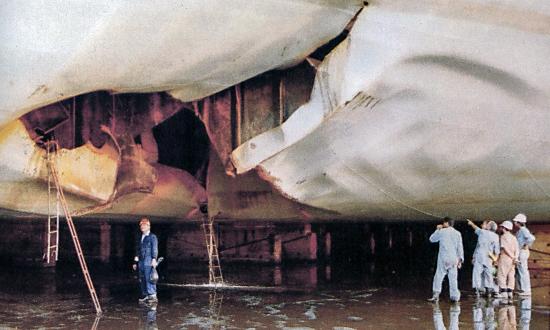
183,143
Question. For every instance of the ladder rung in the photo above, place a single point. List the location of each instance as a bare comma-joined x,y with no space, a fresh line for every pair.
215,272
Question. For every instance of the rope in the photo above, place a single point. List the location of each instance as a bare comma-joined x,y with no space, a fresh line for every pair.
541,252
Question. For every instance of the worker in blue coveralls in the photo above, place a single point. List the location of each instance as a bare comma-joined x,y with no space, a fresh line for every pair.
525,240
145,260
449,259
485,254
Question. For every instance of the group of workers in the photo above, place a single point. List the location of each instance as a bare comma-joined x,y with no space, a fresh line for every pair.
496,246
508,252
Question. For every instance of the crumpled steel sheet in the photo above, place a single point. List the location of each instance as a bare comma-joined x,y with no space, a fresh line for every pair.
54,50
134,173
176,194
427,110
87,171
95,179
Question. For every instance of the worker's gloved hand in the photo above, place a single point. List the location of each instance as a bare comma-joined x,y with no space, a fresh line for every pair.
439,226
154,263
134,266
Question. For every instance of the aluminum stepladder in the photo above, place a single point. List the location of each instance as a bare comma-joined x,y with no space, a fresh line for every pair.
215,276
53,147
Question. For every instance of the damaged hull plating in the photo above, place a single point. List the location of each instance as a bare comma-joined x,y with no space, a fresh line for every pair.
96,179
426,110
52,51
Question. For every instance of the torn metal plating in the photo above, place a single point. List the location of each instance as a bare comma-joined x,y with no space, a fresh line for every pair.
422,112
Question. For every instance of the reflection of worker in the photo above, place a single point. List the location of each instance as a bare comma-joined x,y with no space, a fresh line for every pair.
525,313
490,322
477,315
507,317
146,259
484,314
507,260
449,259
525,240
454,313
487,246
150,317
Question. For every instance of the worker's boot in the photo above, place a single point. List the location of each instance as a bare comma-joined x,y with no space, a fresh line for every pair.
502,294
495,293
434,298
477,292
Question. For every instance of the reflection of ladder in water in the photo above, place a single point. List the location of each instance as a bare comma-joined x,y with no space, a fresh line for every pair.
52,171
52,231
214,268
215,300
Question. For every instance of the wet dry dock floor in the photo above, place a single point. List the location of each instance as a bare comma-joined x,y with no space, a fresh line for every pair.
36,299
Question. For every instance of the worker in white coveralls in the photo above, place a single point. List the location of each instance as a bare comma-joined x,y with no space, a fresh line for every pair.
525,240
449,259
485,254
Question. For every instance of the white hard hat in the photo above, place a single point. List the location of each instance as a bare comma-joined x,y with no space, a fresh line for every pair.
520,218
507,224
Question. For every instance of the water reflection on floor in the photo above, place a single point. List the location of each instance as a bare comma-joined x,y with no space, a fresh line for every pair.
341,300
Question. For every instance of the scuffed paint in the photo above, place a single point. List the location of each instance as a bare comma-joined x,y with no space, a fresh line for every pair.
248,197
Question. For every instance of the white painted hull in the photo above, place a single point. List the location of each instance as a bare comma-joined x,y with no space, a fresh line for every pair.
52,50
427,110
